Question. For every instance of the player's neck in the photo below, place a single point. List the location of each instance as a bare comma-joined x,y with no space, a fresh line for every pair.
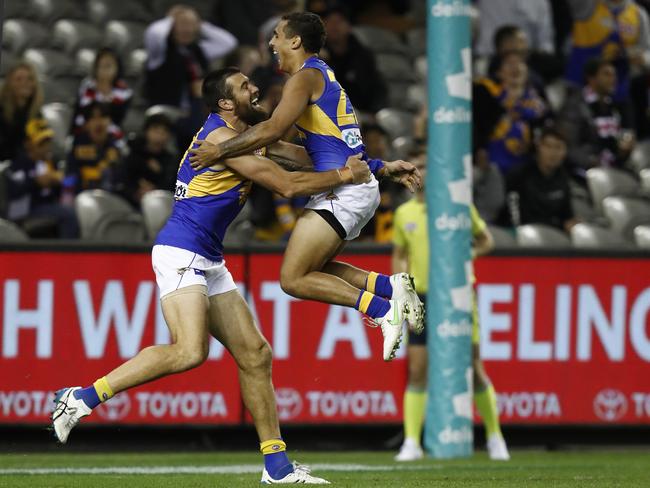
299,60
235,122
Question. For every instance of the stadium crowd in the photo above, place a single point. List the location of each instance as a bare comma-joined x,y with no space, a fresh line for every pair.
104,95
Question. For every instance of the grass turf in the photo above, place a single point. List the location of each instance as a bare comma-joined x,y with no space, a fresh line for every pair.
615,468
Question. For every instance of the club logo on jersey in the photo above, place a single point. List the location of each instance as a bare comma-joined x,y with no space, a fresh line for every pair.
181,190
352,137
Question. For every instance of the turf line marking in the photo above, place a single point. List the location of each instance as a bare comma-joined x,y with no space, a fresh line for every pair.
233,469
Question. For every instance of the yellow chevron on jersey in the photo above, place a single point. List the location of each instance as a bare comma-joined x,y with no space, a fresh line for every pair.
597,29
328,126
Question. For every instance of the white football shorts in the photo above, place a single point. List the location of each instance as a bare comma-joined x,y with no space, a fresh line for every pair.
177,268
351,207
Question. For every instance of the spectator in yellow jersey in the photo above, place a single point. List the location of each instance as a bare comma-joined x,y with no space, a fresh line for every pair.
411,254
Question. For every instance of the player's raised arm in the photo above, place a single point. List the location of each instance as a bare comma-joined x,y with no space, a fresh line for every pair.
295,97
265,172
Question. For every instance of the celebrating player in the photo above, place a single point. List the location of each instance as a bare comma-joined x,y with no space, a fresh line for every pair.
198,294
411,252
325,119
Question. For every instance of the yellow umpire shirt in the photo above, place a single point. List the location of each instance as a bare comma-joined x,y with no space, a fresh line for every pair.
410,233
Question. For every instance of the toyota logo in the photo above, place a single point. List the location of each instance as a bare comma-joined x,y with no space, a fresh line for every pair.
116,408
610,405
289,403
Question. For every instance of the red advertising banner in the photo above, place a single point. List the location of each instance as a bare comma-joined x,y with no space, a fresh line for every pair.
69,318
565,341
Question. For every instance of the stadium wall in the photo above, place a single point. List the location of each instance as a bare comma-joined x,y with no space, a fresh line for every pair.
565,337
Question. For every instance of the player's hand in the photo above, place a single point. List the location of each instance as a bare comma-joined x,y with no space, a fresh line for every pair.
403,172
204,155
360,170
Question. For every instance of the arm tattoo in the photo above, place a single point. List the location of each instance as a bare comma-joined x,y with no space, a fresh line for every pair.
290,165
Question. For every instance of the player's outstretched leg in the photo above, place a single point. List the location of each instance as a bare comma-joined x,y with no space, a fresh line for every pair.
185,312
400,287
485,400
311,246
231,322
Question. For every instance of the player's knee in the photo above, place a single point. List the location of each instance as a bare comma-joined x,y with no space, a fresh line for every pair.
417,376
191,357
257,358
289,284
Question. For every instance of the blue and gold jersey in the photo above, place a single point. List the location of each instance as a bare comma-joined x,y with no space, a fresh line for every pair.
207,201
328,127
607,33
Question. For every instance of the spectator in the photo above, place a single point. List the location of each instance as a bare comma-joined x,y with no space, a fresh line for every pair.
616,30
532,16
539,191
150,165
34,183
180,48
355,66
488,187
597,126
93,161
104,85
522,109
246,58
21,98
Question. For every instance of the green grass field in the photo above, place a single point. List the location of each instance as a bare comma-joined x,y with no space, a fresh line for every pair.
615,468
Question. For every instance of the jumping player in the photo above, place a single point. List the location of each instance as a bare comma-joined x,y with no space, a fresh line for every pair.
411,252
198,294
314,101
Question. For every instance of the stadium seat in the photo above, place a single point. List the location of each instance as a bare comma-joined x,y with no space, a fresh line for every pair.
640,157
395,67
417,41
156,208
84,60
421,68
396,122
591,236
124,36
642,236
541,236
49,11
380,40
10,232
174,113
644,174
7,60
606,182
16,9
625,214
4,166
133,121
70,35
556,93
134,65
63,90
20,34
58,116
416,96
101,11
49,62
108,218
503,238
396,91
402,146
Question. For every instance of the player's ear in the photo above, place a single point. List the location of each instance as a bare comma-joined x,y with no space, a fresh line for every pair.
296,42
225,104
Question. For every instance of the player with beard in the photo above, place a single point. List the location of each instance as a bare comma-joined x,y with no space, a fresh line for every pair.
198,294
